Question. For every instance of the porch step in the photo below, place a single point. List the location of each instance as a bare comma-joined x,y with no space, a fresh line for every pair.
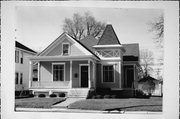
81,93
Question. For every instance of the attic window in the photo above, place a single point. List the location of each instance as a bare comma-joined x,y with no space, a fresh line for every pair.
66,47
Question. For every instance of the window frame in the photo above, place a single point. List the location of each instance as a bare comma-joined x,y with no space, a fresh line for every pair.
16,78
63,49
21,59
53,72
17,52
21,78
102,68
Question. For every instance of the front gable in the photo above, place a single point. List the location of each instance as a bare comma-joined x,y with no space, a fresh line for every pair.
56,47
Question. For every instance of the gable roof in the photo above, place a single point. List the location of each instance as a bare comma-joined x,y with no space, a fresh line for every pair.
21,46
109,37
89,42
55,41
131,49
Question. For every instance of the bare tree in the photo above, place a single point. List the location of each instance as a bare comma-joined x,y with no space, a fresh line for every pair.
147,60
157,27
81,26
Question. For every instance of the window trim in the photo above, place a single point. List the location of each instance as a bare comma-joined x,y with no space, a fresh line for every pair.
21,59
64,71
102,80
17,59
68,49
21,74
17,78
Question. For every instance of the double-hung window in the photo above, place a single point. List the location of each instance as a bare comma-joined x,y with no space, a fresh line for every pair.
16,77
21,78
58,72
66,49
108,73
17,56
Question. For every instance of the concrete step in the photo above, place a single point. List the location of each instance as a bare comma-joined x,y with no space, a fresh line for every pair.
78,93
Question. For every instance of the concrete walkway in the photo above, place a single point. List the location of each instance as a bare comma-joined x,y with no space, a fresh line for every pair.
67,102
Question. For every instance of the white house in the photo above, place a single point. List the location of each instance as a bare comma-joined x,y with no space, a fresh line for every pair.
22,66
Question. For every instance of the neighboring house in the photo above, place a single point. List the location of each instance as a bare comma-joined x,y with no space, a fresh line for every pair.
150,85
69,65
22,66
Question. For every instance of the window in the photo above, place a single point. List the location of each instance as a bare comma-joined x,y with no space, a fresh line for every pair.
21,58
66,49
108,73
17,56
16,77
21,78
58,72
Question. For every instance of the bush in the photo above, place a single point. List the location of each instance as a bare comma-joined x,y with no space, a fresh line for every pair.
141,94
107,96
31,95
62,94
98,97
52,95
41,95
113,96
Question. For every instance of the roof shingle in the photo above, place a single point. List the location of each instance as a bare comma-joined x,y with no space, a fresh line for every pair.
109,37
19,45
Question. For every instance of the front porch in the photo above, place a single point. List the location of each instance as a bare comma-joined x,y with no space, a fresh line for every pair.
62,74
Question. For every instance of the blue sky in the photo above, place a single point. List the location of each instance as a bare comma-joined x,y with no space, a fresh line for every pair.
37,27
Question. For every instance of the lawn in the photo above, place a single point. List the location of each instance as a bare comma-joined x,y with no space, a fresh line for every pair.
129,104
37,102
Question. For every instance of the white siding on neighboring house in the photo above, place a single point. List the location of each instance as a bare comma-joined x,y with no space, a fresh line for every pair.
22,68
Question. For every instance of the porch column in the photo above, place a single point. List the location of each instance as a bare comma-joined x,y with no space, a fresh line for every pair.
30,73
89,80
94,74
70,82
38,74
120,75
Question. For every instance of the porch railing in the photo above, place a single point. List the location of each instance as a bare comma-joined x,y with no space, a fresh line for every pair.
48,84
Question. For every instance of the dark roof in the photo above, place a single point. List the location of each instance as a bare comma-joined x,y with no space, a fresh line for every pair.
89,42
86,47
19,45
131,49
108,37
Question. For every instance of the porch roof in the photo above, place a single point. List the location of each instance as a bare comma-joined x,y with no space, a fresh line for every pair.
62,58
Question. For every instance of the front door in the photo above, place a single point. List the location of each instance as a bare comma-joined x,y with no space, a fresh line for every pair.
84,76
129,77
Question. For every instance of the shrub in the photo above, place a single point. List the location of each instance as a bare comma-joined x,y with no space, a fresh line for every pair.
31,95
113,96
107,96
52,95
62,94
41,95
98,96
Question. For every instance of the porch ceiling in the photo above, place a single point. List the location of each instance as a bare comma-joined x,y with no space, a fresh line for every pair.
62,58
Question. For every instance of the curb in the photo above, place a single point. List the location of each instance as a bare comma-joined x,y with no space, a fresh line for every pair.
83,111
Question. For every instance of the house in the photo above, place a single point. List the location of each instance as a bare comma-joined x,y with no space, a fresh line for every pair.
77,67
150,85
22,66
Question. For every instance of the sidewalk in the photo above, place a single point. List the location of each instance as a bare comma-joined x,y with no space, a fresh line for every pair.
83,111
67,102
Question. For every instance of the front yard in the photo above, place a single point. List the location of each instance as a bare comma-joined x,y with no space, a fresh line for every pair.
129,104
37,102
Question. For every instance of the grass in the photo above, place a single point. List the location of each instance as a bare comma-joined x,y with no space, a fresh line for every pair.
37,102
129,104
